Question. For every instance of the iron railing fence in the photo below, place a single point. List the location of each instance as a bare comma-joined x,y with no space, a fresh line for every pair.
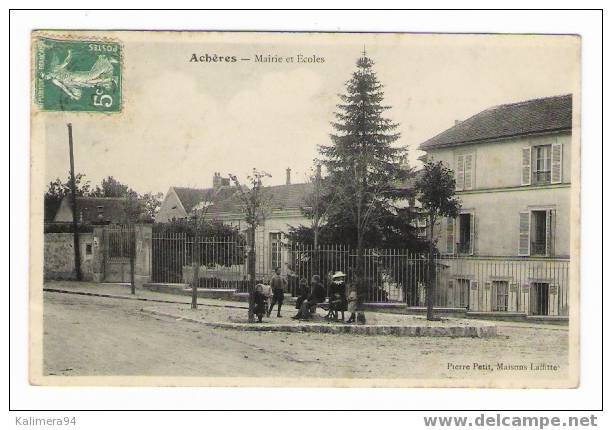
534,286
502,284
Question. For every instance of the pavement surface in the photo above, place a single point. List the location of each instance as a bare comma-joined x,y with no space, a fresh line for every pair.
90,335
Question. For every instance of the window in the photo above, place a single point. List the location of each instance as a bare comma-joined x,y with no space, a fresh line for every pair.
88,249
462,293
465,234
460,234
419,223
464,172
275,249
501,295
536,232
541,164
539,298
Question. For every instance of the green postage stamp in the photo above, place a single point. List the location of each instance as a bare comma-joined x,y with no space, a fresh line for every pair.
77,75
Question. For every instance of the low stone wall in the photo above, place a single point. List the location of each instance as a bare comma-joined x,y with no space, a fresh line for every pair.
59,256
410,328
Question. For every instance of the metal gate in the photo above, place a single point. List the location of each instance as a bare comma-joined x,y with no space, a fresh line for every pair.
118,243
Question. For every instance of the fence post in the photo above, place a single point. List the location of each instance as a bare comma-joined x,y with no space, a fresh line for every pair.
132,239
195,264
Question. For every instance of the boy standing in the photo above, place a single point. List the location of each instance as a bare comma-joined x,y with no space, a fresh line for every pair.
278,292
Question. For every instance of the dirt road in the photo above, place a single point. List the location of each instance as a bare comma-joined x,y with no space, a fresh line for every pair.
103,336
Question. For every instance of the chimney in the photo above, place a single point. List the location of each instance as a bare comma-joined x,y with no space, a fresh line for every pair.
288,175
457,121
216,180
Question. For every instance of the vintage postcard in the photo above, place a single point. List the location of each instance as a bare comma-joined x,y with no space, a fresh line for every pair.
305,209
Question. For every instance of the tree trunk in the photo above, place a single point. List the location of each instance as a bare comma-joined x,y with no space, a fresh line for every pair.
316,263
361,283
431,284
251,266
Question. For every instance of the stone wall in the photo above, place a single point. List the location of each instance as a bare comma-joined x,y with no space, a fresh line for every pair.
59,256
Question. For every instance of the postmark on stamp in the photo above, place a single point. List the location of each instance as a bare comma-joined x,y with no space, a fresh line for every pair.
77,75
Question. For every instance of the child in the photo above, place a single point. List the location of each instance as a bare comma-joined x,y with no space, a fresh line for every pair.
352,303
278,292
259,302
267,291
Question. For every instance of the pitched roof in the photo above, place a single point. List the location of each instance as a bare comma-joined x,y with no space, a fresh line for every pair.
542,115
225,199
111,208
190,197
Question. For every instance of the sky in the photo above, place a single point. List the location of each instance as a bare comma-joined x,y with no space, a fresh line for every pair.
182,121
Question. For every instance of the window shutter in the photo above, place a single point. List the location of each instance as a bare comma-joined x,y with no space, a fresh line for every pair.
468,172
524,228
460,175
550,232
450,235
556,173
526,172
472,232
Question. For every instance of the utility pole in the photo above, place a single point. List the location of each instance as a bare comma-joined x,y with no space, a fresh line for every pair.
195,264
75,230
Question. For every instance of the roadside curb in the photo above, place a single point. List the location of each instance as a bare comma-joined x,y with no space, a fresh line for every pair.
482,331
142,299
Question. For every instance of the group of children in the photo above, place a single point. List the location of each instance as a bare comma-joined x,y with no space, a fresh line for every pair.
341,297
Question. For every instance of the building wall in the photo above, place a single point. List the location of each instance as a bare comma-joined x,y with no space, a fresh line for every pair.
496,217
59,256
498,163
166,211
497,197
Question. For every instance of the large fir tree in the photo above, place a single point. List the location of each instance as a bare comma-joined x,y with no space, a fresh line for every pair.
364,167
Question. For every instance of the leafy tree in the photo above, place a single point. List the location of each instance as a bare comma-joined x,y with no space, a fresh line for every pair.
151,203
436,192
58,189
363,167
315,206
110,187
255,202
139,208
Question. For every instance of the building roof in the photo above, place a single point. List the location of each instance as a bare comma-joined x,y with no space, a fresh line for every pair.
112,210
544,115
225,199
190,197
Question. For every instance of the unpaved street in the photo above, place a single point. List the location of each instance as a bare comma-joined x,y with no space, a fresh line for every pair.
104,336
